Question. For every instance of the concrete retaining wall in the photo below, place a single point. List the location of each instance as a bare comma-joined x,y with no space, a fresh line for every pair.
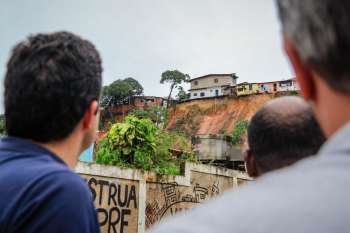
216,147
130,201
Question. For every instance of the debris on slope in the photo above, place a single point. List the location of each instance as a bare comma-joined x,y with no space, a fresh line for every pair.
214,116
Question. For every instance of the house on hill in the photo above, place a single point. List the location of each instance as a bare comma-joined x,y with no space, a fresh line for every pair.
288,85
268,87
247,89
143,102
120,110
278,86
212,85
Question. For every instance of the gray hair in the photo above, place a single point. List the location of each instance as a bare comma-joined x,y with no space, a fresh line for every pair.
320,32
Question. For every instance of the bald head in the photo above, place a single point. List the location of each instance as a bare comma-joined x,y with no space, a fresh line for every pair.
282,132
289,106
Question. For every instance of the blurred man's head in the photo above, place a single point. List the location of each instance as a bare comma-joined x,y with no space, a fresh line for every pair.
52,88
317,41
281,133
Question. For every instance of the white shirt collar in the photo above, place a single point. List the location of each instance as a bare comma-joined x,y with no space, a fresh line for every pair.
339,143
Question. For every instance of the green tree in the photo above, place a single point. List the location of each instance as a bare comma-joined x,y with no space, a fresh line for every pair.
119,91
130,143
181,95
156,113
175,78
137,89
137,143
2,125
238,132
140,113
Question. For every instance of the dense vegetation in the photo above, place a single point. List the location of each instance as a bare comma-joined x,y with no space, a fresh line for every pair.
175,78
120,91
157,114
238,132
181,95
2,125
138,143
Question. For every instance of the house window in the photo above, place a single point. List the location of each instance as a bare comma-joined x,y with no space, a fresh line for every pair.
216,80
194,94
195,83
202,94
250,87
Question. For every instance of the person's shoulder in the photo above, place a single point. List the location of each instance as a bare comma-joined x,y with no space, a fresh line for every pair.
27,171
66,180
53,180
307,187
57,175
75,199
67,199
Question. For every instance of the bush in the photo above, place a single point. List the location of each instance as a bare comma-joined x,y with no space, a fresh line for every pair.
157,114
239,130
2,125
137,143
176,141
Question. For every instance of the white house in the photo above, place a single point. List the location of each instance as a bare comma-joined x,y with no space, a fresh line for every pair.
212,85
288,85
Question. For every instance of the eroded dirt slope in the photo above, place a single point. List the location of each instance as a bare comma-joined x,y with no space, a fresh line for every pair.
214,116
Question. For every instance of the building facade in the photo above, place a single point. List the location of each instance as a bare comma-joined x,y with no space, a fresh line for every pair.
268,87
288,85
120,111
245,88
278,86
212,85
143,102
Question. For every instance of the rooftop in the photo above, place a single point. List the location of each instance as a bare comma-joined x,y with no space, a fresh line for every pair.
233,75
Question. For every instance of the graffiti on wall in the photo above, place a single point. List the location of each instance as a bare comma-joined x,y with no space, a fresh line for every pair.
174,200
116,204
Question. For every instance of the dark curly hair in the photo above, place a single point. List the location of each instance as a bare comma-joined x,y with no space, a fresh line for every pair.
50,82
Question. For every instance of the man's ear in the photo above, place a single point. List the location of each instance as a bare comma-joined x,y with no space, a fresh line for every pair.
90,115
304,74
250,164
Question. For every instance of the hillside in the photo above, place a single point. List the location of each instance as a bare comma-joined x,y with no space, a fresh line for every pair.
214,116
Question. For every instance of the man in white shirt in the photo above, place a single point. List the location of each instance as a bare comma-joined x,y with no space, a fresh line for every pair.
312,195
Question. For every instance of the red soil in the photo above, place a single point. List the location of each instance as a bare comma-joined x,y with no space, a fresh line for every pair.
214,116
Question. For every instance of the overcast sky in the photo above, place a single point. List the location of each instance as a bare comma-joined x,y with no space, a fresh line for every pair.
143,38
